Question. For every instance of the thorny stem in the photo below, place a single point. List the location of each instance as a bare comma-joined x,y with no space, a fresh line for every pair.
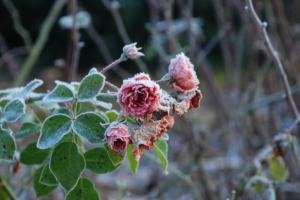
6,188
262,26
121,59
40,42
17,23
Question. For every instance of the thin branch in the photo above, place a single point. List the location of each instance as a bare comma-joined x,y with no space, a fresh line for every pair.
76,45
122,30
251,107
12,67
40,42
262,27
121,59
294,150
105,52
18,24
112,85
12,53
293,125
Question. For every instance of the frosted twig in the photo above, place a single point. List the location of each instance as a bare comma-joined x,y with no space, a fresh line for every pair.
121,59
17,23
262,27
112,85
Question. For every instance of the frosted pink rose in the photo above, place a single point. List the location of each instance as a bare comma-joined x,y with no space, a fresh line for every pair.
117,136
182,70
139,96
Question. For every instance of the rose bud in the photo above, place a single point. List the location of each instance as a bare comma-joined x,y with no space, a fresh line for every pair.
139,96
117,136
131,51
182,71
170,119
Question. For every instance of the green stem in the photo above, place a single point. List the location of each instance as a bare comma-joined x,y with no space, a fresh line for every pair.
6,188
40,42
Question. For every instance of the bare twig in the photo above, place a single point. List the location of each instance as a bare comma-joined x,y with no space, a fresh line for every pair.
294,150
12,53
40,42
262,26
76,45
122,30
293,125
17,23
105,52
251,107
12,67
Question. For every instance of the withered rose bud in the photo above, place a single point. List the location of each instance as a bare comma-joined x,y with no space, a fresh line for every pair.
187,100
117,136
139,96
182,70
171,120
131,51
195,101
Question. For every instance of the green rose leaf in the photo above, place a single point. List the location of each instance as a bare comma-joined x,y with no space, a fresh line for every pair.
67,165
161,149
31,155
7,145
87,125
101,104
53,129
115,157
90,86
29,87
47,178
27,129
165,136
84,190
102,114
131,161
75,85
93,70
62,111
61,93
4,101
98,161
13,110
277,169
39,188
113,115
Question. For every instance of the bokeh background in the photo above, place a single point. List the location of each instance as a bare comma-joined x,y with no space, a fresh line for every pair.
211,148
